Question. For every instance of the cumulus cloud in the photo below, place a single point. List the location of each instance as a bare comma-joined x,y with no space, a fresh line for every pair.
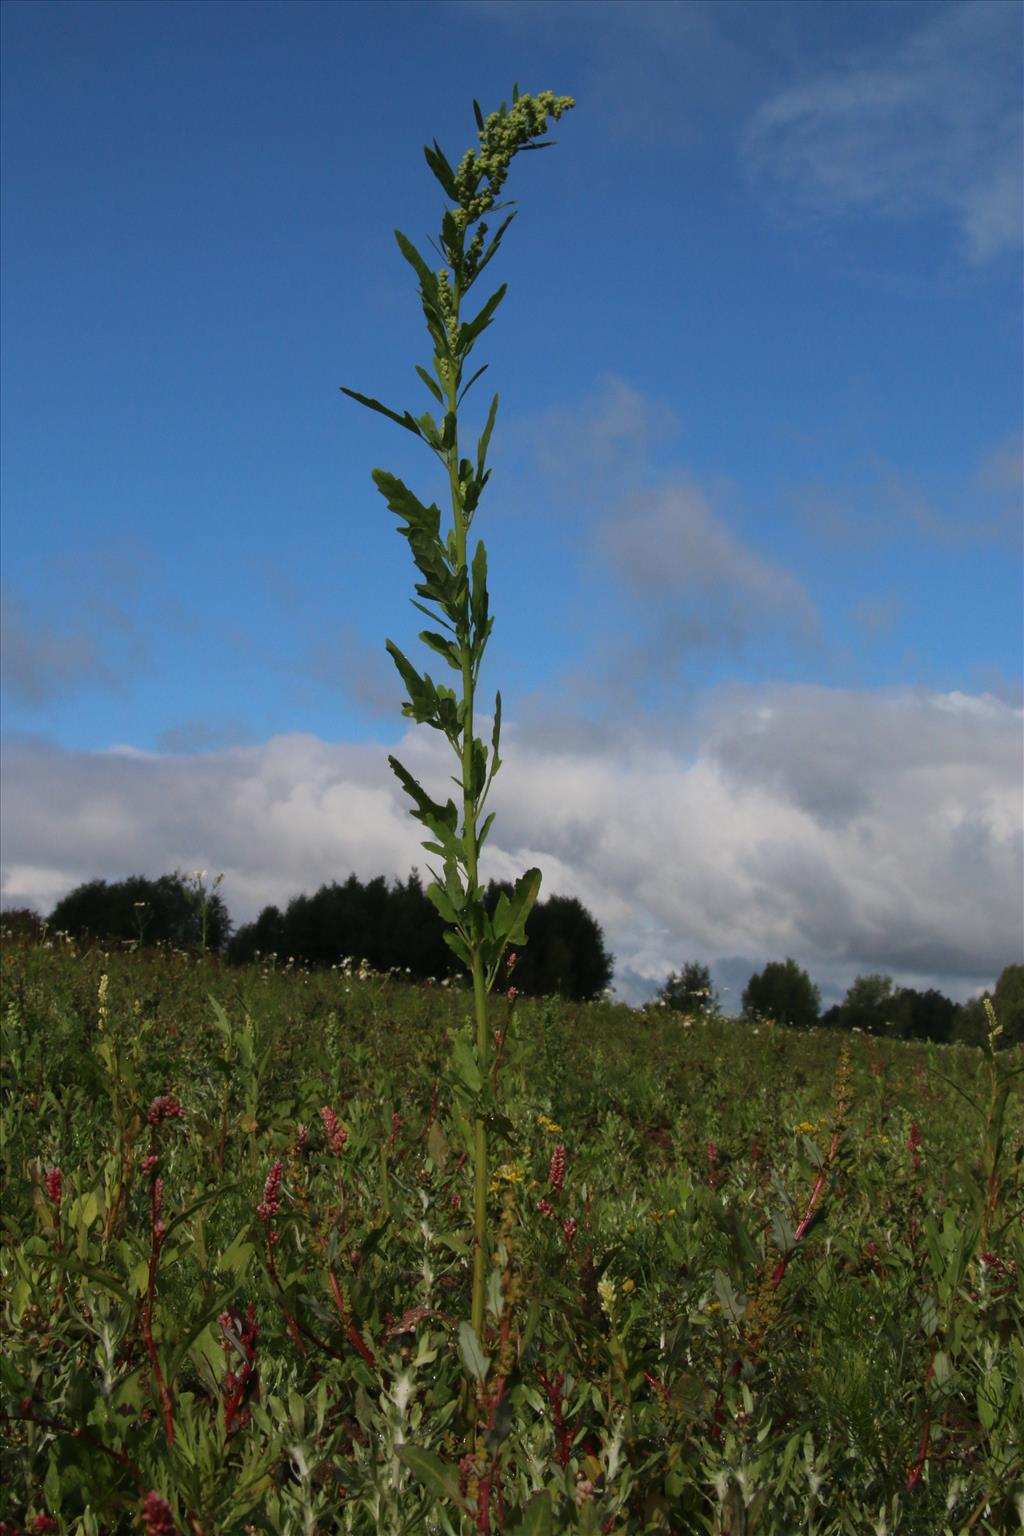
593,449
669,547
854,831
40,663
881,503
934,125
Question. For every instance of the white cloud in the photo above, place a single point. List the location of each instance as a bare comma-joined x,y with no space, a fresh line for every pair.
669,547
854,831
595,448
934,125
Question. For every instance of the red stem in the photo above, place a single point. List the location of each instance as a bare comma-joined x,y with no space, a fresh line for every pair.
351,1331
156,1243
819,1185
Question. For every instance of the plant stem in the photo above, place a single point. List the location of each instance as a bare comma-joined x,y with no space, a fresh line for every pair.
469,840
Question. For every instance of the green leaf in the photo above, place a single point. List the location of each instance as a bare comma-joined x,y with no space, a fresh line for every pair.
469,332
473,1358
510,916
407,421
432,384
433,616
442,170
443,904
472,381
211,1315
537,1517
428,279
496,734
440,1480
414,683
197,1205
453,885
479,604
443,647
428,811
481,447
467,1068
458,945
478,769
429,430
72,1266
493,246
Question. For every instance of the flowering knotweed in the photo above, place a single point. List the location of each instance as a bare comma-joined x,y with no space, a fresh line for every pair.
53,1186
271,1202
334,1130
556,1173
157,1516
165,1107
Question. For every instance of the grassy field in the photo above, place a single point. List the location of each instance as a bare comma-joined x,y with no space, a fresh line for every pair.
747,1280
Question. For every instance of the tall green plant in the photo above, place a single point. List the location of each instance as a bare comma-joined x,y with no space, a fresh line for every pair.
453,593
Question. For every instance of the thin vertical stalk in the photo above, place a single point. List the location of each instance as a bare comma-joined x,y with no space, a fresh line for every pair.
481,1178
453,594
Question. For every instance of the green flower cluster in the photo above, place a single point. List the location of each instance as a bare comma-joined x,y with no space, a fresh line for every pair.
501,137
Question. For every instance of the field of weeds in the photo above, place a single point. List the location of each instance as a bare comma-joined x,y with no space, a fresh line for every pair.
744,1279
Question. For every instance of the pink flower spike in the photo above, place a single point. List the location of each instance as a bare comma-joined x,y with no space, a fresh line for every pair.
556,1173
53,1186
271,1202
165,1107
336,1132
157,1516
569,1230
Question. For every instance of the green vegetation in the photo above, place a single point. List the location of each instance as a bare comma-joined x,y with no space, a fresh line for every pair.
744,1278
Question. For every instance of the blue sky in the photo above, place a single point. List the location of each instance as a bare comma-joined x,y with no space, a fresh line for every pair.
755,517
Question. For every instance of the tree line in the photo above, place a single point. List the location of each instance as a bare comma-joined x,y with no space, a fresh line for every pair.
392,928
395,928
874,1004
